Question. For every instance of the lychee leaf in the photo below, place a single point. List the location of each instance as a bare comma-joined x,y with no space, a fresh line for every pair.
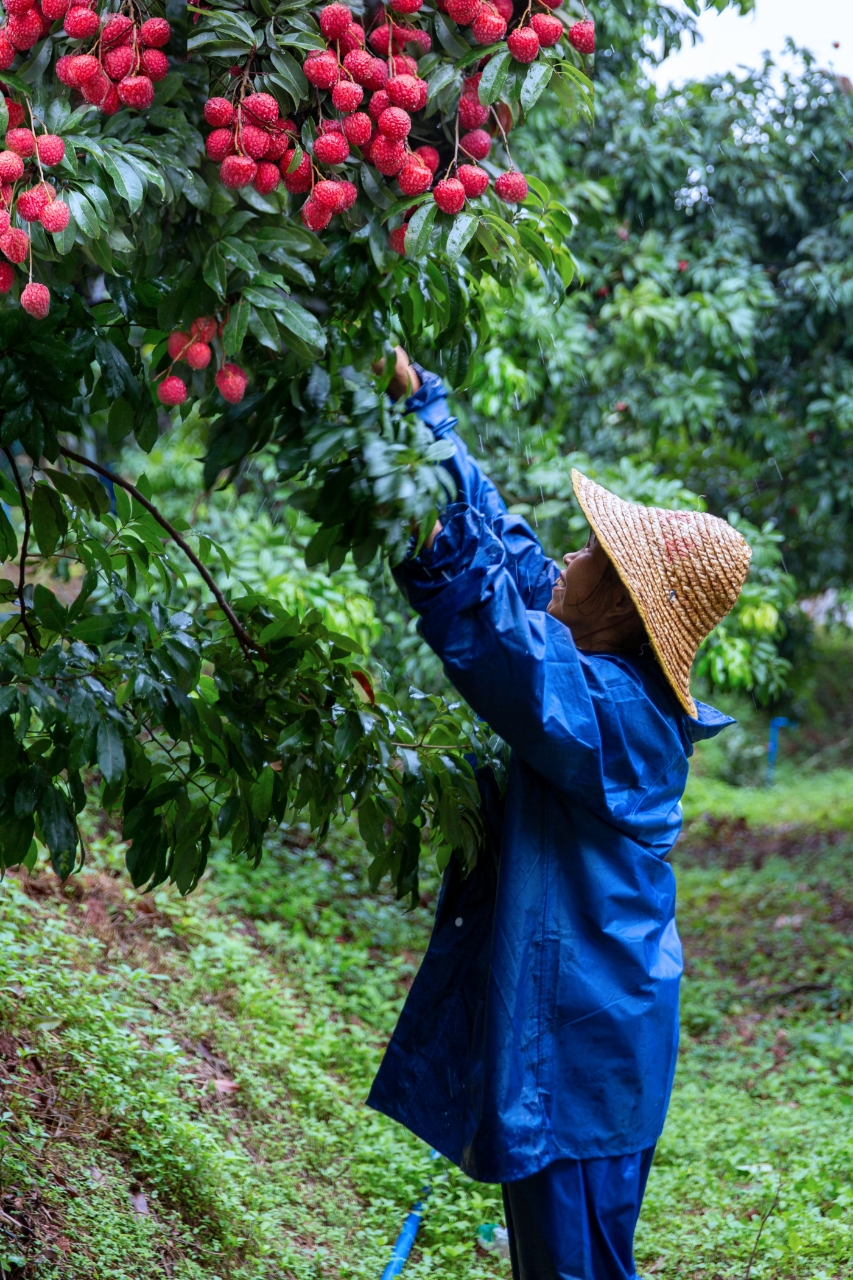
8,540
418,230
493,78
49,519
448,37
464,226
535,82
234,332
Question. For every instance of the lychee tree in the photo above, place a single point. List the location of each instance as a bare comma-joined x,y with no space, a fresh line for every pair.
224,212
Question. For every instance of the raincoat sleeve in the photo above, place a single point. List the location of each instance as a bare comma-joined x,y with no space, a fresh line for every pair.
518,669
534,572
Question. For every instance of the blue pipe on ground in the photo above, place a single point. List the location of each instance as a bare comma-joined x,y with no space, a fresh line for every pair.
405,1240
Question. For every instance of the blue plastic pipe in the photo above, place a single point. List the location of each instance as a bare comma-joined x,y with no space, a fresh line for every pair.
777,723
405,1240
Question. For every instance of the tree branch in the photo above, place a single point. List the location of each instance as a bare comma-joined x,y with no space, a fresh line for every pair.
246,641
24,544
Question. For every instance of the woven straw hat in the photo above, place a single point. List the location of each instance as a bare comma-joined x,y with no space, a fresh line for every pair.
684,570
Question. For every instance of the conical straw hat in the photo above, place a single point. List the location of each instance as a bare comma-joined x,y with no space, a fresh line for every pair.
684,570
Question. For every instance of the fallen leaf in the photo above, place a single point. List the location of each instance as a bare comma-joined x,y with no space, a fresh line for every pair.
226,1086
138,1202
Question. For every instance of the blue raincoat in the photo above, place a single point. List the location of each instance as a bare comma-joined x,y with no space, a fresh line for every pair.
543,1022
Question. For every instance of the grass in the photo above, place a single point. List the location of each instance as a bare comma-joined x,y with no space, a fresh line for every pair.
181,1081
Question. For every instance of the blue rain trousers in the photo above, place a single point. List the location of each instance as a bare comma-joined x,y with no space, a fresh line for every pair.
542,1026
575,1219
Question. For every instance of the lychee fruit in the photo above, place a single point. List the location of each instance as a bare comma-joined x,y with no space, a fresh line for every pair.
177,344
155,33
53,10
511,187
219,143
24,31
21,141
8,53
405,6
118,62
315,216
388,157
231,382
334,20
253,141
198,355
358,128
430,157
331,148
397,238
348,195
35,299
327,194
449,195
463,11
237,171
111,102
137,91
476,144
17,115
80,23
379,102
353,38
55,216
218,112
155,64
118,30
488,26
323,70
204,328
472,112
405,92
172,391
7,277
347,95
548,28
300,179
11,166
523,44
31,202
414,177
395,123
358,63
15,244
267,178
261,107
83,67
582,37
473,179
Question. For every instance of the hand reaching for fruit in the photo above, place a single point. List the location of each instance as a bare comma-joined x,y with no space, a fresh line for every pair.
404,379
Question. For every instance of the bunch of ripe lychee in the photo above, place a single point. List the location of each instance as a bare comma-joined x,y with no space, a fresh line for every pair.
124,63
488,20
194,349
249,141
23,161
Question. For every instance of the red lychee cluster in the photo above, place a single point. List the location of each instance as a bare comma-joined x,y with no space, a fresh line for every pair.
194,348
25,191
125,61
249,141
27,22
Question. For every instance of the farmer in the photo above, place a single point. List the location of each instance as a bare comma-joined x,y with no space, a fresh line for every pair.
538,1043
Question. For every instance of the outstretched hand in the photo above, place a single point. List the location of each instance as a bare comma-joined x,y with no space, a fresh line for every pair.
404,380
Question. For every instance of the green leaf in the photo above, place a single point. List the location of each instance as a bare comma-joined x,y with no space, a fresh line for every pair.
58,830
8,539
50,522
464,226
493,77
111,761
236,326
120,421
295,319
418,230
448,38
127,181
240,255
84,214
375,189
214,271
48,610
534,83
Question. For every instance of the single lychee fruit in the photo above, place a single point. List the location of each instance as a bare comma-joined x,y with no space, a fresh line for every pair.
475,144
430,157
548,28
7,277
405,6
414,177
111,102
488,26
31,202
315,216
380,40
582,37
473,179
397,238
237,171
96,88
15,244
388,157
353,38
198,355
218,112
80,23
463,11
523,44
218,145
155,33
472,112
11,166
327,194
204,328
24,31
231,383
347,95
348,195
511,187
55,216
267,178
403,65
505,8
118,30
323,70
378,75
358,63
64,70
379,102
8,53
395,123
118,62
449,195
329,125
21,141
5,222
172,391
83,67
331,148
177,344
300,179
334,20
262,108
17,7
17,115
405,92
358,128
137,91
155,64
253,141
35,299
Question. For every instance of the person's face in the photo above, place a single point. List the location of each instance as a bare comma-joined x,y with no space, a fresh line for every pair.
593,618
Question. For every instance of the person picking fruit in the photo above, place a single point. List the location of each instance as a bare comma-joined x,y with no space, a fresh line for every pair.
538,1043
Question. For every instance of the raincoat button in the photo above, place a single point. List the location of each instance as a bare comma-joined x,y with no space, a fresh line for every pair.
458,921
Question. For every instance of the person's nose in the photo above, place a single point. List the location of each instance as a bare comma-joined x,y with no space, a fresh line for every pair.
569,557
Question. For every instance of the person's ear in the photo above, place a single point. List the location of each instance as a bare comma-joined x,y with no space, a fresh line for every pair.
622,604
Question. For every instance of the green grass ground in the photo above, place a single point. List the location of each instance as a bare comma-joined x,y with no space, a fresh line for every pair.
181,1081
